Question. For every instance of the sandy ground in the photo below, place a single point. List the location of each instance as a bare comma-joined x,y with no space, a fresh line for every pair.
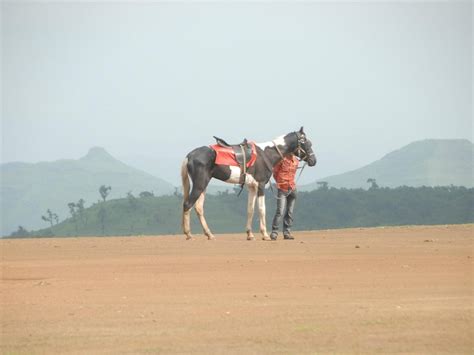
382,290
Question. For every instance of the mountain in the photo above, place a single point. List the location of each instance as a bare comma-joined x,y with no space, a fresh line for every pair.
432,162
28,190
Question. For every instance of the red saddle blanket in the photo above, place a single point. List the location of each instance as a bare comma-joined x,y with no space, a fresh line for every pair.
226,156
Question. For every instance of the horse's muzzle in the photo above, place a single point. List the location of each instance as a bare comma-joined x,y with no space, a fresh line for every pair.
311,159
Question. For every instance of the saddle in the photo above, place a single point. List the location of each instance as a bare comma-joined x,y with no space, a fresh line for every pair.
243,154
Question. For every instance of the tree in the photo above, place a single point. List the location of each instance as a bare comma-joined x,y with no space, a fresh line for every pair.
146,194
104,191
374,184
132,200
80,209
50,216
72,210
177,193
132,203
236,189
102,215
323,185
21,232
223,193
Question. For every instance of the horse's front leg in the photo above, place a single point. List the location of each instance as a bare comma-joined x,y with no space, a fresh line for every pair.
250,208
262,215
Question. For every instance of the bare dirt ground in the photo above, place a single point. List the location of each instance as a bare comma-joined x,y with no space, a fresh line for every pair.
381,290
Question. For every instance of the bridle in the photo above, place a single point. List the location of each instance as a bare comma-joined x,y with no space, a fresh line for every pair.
299,152
301,141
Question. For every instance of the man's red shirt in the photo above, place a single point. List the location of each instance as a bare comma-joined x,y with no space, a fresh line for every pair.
284,173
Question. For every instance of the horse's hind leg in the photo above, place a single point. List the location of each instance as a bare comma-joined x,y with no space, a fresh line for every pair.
200,183
187,224
187,207
200,213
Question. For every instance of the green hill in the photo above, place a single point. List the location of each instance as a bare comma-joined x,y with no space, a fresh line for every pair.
319,209
433,162
28,190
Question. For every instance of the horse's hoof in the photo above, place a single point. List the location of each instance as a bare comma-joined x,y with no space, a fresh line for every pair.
211,237
189,237
250,237
266,237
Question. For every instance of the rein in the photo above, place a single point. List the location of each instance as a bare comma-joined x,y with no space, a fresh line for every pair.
278,150
301,171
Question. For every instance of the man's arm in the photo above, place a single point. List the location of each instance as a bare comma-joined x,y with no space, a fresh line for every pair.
296,162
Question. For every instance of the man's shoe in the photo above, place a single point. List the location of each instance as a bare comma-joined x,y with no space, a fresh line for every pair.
273,236
288,237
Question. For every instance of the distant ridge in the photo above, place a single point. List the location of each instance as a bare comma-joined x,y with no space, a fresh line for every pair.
431,162
96,153
28,190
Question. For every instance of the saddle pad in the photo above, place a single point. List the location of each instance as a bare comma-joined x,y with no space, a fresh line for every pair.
226,156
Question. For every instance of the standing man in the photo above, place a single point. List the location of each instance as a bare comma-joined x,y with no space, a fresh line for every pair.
284,173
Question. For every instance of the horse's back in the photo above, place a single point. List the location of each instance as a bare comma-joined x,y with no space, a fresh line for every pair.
204,155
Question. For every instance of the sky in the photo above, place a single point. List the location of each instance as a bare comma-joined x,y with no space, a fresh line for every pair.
149,82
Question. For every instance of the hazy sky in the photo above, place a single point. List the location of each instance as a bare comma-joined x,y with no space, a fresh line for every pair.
151,81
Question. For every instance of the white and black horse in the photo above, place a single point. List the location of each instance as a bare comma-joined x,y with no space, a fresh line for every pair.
200,166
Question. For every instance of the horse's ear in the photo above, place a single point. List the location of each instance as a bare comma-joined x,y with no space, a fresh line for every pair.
301,129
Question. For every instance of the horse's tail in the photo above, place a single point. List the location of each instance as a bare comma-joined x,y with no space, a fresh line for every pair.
185,179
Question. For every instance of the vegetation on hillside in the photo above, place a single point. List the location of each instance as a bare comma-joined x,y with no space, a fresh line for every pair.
324,208
431,162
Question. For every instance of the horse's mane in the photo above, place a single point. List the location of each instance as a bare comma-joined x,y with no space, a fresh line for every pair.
278,140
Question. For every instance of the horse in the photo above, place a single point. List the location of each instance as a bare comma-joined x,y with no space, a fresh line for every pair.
199,166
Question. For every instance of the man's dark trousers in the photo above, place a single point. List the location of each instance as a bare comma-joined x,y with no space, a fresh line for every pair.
285,206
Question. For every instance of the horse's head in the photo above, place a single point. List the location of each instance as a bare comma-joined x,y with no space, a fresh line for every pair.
299,144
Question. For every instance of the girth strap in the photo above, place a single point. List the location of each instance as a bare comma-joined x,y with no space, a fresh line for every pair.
243,168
